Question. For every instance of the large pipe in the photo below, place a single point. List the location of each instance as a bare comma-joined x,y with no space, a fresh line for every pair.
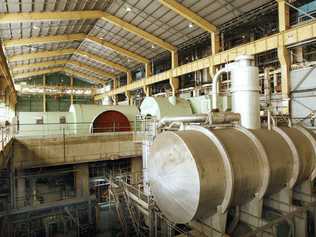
197,118
196,172
215,86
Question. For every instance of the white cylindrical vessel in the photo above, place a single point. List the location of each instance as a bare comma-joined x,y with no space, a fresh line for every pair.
245,91
197,172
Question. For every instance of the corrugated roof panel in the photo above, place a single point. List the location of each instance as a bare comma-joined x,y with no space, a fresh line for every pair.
149,15
93,63
85,71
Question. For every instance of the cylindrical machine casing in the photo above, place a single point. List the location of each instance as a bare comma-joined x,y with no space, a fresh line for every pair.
197,172
245,92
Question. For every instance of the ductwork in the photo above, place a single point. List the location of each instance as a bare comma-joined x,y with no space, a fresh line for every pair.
215,86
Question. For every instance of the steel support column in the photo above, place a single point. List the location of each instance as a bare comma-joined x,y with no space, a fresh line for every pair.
129,80
216,43
82,180
283,53
148,73
114,97
72,86
174,81
44,93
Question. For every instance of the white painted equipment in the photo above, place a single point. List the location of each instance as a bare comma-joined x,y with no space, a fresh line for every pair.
160,107
245,90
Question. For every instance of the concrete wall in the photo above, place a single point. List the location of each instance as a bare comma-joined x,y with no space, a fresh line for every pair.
79,120
41,152
51,126
84,115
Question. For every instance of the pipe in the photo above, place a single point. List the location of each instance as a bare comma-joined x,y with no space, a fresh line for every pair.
215,89
198,118
223,118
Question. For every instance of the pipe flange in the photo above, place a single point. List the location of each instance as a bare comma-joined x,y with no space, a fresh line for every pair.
312,140
229,173
296,159
264,161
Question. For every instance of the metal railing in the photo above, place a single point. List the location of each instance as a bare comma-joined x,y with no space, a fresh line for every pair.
7,133
47,129
36,200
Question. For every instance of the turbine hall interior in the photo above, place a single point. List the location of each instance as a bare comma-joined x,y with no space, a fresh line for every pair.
157,118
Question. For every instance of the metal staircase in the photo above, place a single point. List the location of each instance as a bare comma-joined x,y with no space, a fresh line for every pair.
125,210
134,217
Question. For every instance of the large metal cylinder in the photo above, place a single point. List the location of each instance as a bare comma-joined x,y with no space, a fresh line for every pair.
197,172
245,91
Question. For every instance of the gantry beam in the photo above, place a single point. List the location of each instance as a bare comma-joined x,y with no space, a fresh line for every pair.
137,31
286,38
43,54
37,73
84,76
43,40
195,19
25,17
75,37
118,49
102,60
7,18
39,65
189,15
100,72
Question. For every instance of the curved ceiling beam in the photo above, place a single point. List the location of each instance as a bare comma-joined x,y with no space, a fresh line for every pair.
118,49
84,76
7,18
43,54
189,15
43,40
101,60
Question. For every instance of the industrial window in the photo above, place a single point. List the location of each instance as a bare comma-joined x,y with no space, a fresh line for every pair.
62,120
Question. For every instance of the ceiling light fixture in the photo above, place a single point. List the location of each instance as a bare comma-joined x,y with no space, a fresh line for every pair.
190,25
36,28
128,9
152,46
